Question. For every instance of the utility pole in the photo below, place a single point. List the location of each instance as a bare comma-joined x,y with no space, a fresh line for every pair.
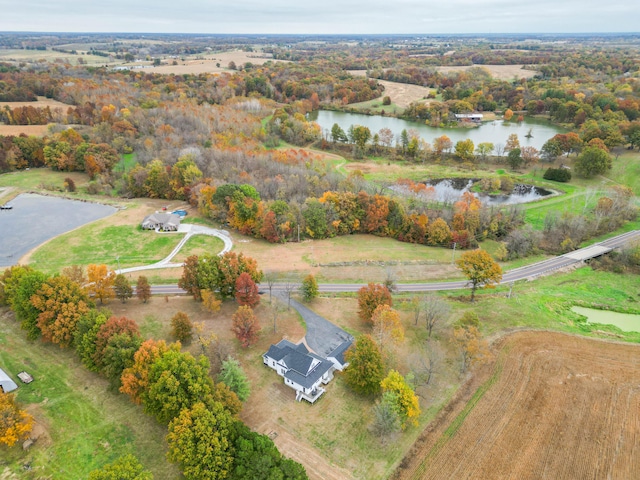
453,253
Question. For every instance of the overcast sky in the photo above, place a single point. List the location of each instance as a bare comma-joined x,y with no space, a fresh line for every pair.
328,16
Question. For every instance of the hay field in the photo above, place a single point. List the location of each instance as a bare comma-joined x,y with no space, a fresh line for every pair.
499,72
208,63
555,406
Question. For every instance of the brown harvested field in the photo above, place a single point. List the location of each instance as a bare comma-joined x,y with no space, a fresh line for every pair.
31,130
559,406
499,72
40,103
208,64
402,94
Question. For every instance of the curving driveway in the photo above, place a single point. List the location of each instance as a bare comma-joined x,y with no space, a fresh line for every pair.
190,230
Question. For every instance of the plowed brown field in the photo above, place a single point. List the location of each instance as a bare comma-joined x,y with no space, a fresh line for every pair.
557,407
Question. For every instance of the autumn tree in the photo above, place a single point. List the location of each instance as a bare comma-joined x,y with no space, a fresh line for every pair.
508,114
126,467
366,368
219,273
176,381
473,348
233,376
15,423
75,273
135,379
200,441
114,332
100,282
387,329
143,289
61,303
512,142
189,279
210,301
480,269
438,232
309,288
464,150
371,297
404,398
246,291
122,288
245,326
182,327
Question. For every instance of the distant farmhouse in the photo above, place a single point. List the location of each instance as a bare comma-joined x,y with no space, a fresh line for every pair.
474,117
167,222
303,370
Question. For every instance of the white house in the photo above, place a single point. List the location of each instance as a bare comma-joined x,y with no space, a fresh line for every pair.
169,222
303,370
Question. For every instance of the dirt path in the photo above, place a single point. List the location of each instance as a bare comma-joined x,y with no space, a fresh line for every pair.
557,406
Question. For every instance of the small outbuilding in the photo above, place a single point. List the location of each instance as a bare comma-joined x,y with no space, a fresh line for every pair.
6,384
167,222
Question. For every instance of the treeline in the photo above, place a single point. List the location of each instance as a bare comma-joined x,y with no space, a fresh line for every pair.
205,436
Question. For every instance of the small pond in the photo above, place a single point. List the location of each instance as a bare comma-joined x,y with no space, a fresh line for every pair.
35,219
627,322
449,190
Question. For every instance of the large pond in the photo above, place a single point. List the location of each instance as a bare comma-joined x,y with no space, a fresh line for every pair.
496,132
35,219
627,322
449,190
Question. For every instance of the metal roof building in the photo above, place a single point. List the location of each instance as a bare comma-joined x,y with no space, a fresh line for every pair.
6,384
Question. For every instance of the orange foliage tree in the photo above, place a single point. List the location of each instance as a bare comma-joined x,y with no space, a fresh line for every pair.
100,282
245,326
370,298
61,302
135,379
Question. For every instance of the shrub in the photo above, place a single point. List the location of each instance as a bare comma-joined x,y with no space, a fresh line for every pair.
69,184
557,174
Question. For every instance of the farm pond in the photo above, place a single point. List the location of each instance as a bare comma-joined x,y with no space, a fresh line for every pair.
35,219
627,322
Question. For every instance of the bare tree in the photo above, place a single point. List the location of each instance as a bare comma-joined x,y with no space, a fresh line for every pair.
435,310
276,310
289,286
270,278
424,365
390,280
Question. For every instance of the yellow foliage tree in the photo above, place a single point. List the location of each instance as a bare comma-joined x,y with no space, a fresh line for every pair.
210,301
100,282
387,327
480,269
406,402
15,424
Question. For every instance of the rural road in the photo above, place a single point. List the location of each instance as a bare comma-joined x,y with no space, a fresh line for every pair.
522,273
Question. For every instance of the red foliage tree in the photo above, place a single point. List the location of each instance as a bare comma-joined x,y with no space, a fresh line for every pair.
245,326
247,291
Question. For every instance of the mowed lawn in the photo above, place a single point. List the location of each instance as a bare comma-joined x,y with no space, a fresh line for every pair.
99,243
83,423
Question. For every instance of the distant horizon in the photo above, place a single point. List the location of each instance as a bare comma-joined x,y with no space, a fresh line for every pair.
332,17
334,34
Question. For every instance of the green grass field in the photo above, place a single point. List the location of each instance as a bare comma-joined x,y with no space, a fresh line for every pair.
97,243
86,423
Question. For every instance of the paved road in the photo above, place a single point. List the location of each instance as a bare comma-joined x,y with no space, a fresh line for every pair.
527,272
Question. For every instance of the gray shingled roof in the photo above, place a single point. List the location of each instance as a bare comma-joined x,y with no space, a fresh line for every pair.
299,361
338,353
